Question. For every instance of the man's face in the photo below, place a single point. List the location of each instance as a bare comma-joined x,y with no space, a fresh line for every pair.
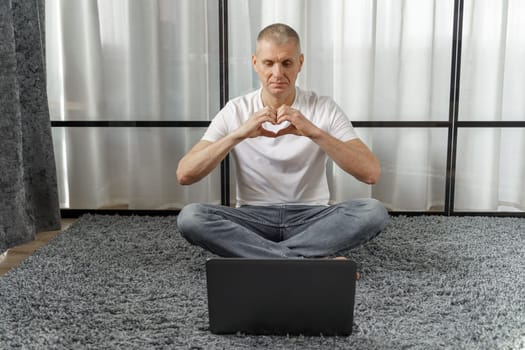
277,67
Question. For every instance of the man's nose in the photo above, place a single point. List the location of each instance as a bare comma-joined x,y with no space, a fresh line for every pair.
277,69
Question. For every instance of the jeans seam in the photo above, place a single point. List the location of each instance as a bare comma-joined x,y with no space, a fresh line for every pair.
281,225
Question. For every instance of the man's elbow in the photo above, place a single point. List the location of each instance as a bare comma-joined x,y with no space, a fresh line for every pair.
373,176
184,178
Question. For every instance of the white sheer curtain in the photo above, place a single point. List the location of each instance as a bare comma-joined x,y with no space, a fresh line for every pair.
491,162
130,60
382,60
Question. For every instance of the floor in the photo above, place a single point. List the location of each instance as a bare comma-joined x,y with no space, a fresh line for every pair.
14,256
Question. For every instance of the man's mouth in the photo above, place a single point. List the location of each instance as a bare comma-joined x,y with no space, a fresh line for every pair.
278,83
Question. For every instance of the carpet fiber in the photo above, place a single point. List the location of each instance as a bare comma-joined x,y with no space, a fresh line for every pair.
428,282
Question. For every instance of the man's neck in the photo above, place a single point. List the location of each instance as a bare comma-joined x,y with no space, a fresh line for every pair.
276,102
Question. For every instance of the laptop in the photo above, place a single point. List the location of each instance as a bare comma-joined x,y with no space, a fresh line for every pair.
281,296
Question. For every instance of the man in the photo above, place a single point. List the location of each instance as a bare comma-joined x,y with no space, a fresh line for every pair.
279,138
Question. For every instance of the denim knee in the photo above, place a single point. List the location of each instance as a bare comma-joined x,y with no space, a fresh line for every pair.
378,211
187,220
374,211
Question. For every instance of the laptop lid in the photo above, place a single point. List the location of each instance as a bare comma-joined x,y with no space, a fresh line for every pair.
281,296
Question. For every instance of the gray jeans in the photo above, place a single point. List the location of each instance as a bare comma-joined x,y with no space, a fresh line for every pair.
283,230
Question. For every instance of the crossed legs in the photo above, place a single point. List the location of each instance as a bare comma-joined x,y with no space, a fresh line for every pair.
282,231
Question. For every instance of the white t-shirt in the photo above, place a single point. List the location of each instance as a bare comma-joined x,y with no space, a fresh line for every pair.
286,170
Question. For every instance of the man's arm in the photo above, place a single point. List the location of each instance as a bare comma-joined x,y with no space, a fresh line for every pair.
202,159
352,156
206,155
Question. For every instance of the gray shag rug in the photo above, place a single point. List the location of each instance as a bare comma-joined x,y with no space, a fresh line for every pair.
111,282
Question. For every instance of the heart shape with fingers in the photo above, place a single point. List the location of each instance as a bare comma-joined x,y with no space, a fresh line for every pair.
275,128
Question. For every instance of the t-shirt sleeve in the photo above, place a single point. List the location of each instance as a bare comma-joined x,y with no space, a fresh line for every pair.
340,125
218,127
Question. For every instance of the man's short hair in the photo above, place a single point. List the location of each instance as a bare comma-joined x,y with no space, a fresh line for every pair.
279,34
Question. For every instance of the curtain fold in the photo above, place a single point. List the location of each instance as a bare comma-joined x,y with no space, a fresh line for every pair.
29,199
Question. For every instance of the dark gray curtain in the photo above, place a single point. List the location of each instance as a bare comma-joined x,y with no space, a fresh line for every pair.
28,186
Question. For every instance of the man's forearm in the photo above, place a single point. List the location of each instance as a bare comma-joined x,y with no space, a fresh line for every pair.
353,156
203,158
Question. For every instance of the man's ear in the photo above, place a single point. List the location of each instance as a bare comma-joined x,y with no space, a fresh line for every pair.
254,62
301,61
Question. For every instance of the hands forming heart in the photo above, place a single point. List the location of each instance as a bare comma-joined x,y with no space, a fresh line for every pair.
270,122
283,121
275,126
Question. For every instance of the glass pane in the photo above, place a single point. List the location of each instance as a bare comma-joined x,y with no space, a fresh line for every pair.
384,60
132,60
413,164
493,52
127,168
490,170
